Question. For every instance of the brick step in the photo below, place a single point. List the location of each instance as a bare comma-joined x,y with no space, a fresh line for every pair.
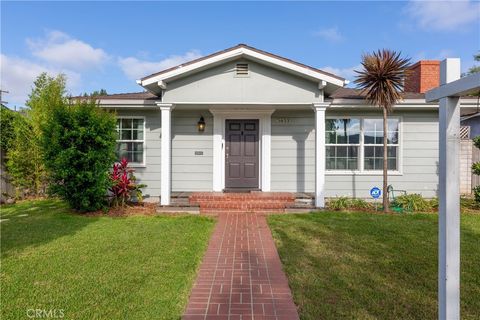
217,211
242,196
243,205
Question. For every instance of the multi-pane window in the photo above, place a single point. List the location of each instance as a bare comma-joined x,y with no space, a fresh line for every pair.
357,144
373,144
342,143
130,139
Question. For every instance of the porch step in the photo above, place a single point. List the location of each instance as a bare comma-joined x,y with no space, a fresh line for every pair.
255,202
181,209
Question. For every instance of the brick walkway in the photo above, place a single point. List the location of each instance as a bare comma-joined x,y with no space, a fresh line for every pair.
241,275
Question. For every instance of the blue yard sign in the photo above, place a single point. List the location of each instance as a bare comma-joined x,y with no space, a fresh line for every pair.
375,192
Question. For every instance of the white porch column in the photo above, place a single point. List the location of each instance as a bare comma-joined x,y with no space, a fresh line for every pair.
449,197
320,153
166,155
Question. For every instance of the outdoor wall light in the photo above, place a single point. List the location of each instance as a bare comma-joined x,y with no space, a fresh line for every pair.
201,124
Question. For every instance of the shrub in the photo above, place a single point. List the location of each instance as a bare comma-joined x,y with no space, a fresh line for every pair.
476,194
340,203
123,184
24,159
7,128
476,171
433,203
360,204
79,144
476,168
344,203
25,154
412,202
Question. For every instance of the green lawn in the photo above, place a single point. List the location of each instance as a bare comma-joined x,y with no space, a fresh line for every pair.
97,267
372,266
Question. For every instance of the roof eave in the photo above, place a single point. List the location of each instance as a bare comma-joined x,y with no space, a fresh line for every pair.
151,83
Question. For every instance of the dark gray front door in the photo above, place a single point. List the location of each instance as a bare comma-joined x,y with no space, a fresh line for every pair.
241,154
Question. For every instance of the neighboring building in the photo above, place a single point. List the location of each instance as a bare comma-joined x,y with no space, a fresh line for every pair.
472,121
246,119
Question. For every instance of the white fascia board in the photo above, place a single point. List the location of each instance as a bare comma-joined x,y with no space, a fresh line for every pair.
247,53
124,102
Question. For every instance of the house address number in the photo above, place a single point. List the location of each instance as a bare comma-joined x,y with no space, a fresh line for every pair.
199,153
284,120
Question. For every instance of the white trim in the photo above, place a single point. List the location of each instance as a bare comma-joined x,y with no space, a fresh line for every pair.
144,155
320,109
243,52
166,152
265,120
361,145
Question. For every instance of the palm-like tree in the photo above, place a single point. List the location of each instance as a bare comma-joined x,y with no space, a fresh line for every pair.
381,81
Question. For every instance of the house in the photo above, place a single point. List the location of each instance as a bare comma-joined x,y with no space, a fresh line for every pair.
244,119
472,122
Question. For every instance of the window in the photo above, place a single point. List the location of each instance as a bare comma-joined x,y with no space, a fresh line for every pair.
342,143
373,144
356,144
130,139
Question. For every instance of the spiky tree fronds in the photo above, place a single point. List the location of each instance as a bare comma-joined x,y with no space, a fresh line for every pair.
382,77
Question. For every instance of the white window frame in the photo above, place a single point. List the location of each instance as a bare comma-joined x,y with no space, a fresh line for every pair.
359,144
144,141
361,170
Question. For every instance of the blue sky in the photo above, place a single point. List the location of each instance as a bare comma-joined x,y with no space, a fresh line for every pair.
110,44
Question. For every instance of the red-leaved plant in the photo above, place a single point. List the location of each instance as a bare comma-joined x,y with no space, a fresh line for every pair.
124,186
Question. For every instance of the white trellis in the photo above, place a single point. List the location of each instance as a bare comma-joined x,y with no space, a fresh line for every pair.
452,87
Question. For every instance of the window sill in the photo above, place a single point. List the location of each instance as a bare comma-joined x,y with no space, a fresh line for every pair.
137,165
362,173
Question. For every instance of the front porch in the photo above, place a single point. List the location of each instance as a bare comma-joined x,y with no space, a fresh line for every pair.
286,153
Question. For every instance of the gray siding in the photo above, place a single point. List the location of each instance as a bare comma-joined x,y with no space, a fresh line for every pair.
191,172
293,151
293,156
420,160
263,84
150,174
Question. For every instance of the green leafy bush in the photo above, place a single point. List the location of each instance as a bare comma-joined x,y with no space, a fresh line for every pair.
476,171
476,194
24,159
25,164
7,128
79,144
345,203
412,202
476,168
340,203
434,203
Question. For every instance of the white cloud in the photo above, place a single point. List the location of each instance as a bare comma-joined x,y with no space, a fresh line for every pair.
330,34
347,73
17,76
135,68
443,15
60,50
440,55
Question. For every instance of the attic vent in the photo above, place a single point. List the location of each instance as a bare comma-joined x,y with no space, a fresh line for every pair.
242,69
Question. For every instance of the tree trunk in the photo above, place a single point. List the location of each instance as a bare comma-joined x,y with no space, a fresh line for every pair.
385,162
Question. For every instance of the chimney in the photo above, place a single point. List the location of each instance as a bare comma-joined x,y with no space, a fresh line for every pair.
424,75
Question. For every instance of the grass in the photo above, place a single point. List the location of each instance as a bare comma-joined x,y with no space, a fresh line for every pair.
135,267
372,266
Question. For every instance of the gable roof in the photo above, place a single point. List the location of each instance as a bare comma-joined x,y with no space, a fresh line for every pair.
158,80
